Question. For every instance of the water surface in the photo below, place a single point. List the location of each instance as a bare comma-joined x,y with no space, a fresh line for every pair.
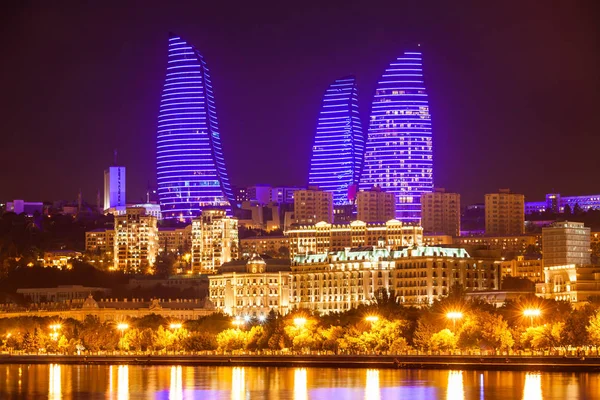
190,382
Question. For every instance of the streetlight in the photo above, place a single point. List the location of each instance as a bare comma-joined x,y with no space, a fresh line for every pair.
55,328
454,315
238,322
300,321
122,327
372,318
175,326
532,312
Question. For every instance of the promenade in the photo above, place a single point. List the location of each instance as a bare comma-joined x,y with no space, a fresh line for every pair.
508,363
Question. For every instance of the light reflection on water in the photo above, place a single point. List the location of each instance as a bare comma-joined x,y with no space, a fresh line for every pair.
240,383
456,390
533,387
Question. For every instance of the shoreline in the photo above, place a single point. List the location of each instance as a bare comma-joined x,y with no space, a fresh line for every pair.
489,363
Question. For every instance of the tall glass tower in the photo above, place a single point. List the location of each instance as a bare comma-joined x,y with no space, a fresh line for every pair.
339,142
190,165
398,155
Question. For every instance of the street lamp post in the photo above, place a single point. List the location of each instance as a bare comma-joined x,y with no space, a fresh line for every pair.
122,327
531,313
454,315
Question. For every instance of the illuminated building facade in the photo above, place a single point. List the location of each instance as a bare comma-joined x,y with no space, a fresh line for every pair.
338,148
214,241
337,282
323,237
135,242
440,212
398,155
504,213
190,164
251,289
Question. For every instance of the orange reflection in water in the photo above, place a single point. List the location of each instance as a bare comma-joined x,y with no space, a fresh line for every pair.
533,387
300,384
372,390
176,387
456,390
54,383
238,383
123,382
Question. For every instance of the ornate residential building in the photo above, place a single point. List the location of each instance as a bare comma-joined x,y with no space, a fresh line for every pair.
323,237
135,246
337,282
251,288
214,241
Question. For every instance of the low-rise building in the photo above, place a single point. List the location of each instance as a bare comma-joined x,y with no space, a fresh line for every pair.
251,288
271,245
523,268
572,283
339,281
61,293
60,259
517,244
108,310
100,241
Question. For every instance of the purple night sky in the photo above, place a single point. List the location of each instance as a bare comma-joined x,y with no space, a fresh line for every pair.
513,86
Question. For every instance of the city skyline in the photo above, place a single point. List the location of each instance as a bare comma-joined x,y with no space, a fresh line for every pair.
498,90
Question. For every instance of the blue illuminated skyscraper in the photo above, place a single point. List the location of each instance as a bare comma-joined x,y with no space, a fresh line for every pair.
339,142
190,165
398,155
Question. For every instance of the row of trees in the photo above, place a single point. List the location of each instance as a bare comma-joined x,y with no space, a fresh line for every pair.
384,327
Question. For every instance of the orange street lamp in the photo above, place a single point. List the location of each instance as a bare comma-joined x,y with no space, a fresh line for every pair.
300,321
531,313
238,322
454,315
175,326
372,318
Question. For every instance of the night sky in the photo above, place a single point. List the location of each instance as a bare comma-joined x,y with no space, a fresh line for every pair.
514,88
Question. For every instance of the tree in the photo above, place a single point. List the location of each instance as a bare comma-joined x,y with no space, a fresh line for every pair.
443,340
231,339
593,329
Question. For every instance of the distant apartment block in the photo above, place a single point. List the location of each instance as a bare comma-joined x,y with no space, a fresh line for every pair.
214,241
440,212
135,243
565,243
313,205
504,213
375,205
